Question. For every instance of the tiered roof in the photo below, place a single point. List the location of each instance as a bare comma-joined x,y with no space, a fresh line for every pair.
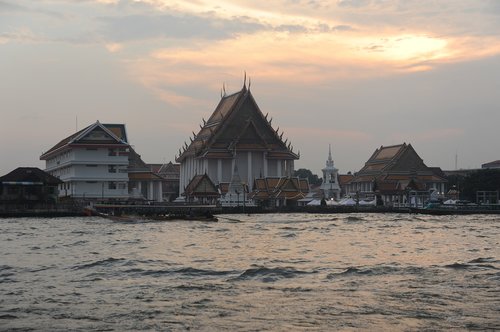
237,124
397,167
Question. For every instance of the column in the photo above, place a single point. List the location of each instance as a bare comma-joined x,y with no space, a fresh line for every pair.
278,162
219,170
250,172
159,192
265,164
151,190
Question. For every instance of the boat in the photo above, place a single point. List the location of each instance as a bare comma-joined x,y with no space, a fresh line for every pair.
169,217
460,208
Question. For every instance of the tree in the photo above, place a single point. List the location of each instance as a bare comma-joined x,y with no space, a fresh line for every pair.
305,173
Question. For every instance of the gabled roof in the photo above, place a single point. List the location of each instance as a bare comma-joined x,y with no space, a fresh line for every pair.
29,175
201,186
136,164
345,178
236,124
169,168
111,134
399,158
280,187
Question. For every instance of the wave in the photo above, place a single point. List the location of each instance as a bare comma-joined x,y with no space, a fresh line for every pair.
269,274
470,267
376,270
353,219
484,260
187,271
105,262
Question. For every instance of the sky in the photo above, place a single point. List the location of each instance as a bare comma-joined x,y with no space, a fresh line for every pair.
353,74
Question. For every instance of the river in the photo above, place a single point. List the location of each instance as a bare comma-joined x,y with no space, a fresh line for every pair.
277,272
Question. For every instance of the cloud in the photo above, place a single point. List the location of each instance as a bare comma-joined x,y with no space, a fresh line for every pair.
6,7
170,26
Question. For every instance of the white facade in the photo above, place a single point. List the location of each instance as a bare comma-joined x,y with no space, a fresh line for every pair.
90,173
251,165
91,165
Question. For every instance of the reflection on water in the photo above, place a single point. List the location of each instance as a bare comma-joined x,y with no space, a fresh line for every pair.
259,272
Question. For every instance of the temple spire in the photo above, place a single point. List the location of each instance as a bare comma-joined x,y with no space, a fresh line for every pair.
329,162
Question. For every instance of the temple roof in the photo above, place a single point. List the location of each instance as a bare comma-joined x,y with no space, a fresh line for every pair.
401,158
279,187
237,124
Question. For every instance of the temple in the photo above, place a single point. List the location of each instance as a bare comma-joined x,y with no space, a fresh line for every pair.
237,136
393,173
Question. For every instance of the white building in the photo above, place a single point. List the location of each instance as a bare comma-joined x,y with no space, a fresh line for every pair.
330,184
95,163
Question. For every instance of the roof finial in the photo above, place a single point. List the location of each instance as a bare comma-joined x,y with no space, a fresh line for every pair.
224,88
245,79
249,83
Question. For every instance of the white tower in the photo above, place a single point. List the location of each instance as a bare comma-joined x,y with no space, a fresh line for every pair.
330,184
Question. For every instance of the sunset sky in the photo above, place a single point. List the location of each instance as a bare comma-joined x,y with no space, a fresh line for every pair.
356,74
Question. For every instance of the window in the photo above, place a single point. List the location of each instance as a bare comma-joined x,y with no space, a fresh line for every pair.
122,185
111,152
111,185
91,165
111,169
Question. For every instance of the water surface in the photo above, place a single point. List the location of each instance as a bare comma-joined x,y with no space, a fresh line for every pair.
259,272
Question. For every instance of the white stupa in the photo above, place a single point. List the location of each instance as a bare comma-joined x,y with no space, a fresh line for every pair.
330,184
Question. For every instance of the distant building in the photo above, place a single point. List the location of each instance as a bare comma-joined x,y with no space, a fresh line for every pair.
29,185
170,174
143,183
491,165
97,162
394,173
330,182
344,180
236,134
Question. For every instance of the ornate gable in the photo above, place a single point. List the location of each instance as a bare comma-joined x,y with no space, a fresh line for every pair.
201,186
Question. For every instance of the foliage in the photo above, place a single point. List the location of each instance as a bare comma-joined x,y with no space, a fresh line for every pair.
305,173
